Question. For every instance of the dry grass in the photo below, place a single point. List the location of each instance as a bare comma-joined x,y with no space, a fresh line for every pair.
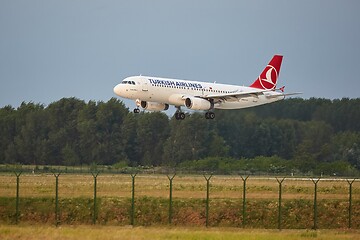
82,185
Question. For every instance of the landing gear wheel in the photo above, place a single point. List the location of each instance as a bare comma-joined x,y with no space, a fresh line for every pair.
136,110
180,116
209,115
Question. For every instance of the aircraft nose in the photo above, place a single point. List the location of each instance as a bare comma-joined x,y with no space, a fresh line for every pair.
117,89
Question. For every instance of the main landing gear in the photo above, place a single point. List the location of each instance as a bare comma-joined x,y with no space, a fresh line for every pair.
179,115
136,110
209,115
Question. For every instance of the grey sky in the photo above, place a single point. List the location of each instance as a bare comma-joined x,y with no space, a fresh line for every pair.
82,48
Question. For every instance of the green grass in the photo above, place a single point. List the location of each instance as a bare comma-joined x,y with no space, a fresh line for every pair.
31,232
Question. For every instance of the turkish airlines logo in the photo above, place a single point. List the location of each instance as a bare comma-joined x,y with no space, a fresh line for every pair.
269,80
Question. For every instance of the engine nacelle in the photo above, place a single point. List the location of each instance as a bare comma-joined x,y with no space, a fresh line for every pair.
176,99
154,106
198,104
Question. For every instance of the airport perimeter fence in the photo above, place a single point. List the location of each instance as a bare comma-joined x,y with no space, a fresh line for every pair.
243,211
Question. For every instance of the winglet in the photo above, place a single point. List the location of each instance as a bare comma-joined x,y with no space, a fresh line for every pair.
269,76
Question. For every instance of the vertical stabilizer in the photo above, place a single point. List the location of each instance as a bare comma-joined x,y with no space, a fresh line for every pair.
269,76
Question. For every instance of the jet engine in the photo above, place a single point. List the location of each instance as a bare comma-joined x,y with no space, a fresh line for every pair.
154,106
198,103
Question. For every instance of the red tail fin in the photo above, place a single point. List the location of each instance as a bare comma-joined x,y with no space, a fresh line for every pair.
269,76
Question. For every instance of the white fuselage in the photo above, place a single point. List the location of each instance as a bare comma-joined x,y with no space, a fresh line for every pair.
174,91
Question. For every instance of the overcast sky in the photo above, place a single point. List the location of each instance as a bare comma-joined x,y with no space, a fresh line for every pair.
82,48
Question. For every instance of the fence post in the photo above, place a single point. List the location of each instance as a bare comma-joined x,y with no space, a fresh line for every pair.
244,199
207,197
315,202
280,192
17,174
170,197
133,199
350,200
57,221
95,175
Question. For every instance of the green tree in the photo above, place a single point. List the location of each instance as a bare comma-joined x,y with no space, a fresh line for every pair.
130,139
345,146
70,156
30,140
152,131
7,134
217,146
87,129
188,139
109,147
315,135
63,130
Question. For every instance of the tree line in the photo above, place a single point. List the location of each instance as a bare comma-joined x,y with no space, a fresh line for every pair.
314,135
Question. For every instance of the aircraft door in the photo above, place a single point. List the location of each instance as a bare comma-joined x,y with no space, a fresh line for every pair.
144,85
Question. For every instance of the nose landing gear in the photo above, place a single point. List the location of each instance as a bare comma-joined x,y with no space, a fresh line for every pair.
138,104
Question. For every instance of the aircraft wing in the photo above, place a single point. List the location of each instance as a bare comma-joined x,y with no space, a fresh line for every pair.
235,96
283,94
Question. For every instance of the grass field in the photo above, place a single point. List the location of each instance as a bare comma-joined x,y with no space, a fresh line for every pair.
139,233
183,186
37,193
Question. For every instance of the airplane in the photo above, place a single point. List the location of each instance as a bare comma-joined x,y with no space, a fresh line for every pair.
156,94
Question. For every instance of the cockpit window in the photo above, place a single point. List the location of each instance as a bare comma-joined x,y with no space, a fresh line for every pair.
128,82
